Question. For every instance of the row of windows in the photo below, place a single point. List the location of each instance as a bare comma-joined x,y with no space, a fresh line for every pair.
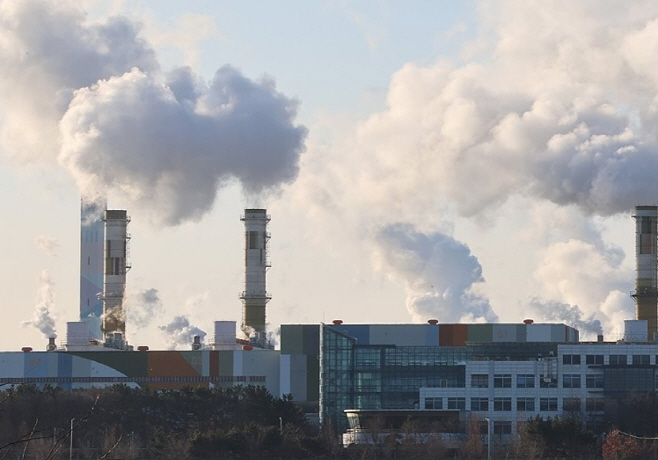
614,360
528,381
522,404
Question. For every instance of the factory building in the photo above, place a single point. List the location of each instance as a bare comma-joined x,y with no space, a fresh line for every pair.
493,376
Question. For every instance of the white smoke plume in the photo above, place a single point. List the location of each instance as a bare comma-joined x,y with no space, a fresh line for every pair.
569,314
554,102
142,306
43,318
562,116
439,274
180,333
48,244
167,141
585,278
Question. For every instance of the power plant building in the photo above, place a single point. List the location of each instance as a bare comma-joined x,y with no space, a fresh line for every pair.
346,374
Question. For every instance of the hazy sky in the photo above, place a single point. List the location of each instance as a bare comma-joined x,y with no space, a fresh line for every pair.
462,161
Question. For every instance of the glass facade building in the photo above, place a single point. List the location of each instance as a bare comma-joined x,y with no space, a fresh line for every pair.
362,367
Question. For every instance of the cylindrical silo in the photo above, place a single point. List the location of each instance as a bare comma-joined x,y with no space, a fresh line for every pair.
255,296
646,284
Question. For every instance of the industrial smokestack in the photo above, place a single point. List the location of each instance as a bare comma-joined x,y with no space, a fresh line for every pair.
91,264
196,342
255,297
114,276
646,284
51,344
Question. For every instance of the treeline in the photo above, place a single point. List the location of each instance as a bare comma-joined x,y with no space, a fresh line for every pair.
134,423
246,422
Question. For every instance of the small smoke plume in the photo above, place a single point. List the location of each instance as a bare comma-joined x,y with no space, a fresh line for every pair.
581,280
273,336
569,314
166,141
439,274
114,320
142,306
180,333
43,318
48,244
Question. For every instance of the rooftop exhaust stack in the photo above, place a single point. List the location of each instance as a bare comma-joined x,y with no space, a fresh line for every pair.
646,284
114,276
255,297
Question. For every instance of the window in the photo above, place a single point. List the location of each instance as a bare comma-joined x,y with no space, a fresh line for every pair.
571,404
594,381
525,381
457,403
618,360
525,404
571,359
502,404
479,381
502,427
503,381
594,405
594,360
253,239
433,403
479,404
571,381
548,404
639,360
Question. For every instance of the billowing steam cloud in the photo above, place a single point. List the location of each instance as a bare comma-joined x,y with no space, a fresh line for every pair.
555,102
168,142
439,274
567,116
43,318
142,307
181,333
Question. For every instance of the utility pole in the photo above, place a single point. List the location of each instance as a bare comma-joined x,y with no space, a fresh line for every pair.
71,440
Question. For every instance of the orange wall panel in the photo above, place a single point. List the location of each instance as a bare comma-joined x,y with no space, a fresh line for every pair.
453,334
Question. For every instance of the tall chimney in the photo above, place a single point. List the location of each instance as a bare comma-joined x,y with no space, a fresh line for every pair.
646,284
255,297
92,241
114,276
